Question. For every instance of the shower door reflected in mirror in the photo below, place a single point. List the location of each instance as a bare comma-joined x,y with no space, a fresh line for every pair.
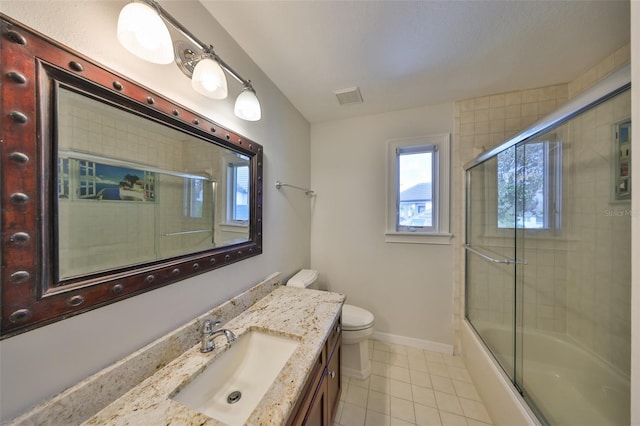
131,190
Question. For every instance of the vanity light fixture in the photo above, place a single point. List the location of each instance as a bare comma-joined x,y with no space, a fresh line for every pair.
142,30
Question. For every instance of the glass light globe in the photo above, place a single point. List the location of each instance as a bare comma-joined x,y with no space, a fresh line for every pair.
142,32
247,106
209,80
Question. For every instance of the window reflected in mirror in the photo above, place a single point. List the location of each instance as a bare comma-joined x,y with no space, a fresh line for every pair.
131,190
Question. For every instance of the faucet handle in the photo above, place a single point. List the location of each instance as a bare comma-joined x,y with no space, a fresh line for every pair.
209,326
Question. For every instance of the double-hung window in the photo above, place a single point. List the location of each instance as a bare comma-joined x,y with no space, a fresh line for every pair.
418,190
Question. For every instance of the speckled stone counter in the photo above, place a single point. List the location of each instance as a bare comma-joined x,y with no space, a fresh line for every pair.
304,314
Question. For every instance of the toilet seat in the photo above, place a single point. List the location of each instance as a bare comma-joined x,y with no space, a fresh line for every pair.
355,318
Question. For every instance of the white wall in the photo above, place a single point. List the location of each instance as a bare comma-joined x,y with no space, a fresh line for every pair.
408,287
36,365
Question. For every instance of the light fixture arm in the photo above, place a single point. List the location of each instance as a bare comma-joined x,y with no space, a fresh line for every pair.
167,17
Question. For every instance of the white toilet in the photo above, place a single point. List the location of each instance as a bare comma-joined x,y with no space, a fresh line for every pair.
357,326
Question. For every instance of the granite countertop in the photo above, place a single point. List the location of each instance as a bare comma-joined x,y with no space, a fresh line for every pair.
306,315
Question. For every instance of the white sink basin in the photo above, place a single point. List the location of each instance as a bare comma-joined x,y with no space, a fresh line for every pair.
249,366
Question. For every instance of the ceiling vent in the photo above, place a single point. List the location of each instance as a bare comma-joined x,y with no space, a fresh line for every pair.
348,96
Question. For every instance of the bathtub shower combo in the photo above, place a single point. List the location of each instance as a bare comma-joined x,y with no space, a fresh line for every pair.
548,258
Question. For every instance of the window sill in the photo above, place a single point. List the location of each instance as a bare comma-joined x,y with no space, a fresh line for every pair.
417,238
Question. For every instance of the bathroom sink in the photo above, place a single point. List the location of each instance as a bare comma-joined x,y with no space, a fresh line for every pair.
232,385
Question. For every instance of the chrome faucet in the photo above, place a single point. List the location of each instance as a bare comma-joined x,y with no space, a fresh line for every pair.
212,329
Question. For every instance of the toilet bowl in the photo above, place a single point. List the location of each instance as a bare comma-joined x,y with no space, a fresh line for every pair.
357,327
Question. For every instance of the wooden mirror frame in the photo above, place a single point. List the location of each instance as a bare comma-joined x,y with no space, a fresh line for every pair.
32,65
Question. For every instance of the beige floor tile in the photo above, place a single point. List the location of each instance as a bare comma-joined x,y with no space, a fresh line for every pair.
474,410
382,356
450,419
424,396
379,402
377,419
361,383
399,373
438,369
352,415
449,403
380,346
345,388
379,383
411,386
466,390
400,389
380,368
472,422
459,374
443,384
402,409
398,349
400,360
398,422
427,416
357,396
420,378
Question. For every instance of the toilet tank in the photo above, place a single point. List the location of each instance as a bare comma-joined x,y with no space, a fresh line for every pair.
306,278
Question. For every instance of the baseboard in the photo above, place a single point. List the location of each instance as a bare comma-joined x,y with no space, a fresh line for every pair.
413,342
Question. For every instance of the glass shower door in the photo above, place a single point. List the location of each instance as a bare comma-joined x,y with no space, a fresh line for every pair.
490,269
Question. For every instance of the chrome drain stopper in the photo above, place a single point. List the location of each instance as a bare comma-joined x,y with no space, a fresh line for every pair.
234,397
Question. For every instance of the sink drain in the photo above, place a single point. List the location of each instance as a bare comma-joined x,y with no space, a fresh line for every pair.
234,397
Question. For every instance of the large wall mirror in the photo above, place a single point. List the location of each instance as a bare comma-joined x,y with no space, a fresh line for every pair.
109,189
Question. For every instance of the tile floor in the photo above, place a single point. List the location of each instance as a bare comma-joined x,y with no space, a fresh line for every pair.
410,386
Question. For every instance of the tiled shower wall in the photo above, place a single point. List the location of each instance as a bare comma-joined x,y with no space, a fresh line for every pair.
129,231
482,123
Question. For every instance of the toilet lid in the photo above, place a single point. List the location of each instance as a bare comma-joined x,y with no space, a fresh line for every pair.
355,318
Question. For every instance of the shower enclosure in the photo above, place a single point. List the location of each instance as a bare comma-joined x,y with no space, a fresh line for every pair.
548,258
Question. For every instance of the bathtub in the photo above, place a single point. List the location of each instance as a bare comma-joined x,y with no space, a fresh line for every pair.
570,385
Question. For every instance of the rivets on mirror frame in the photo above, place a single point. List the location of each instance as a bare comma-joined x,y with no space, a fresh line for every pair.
227,258
176,112
251,146
150,278
213,130
20,276
16,38
16,77
18,117
251,250
20,315
175,272
19,198
76,300
228,136
19,157
239,252
77,66
196,266
212,260
117,289
196,121
239,141
117,85
150,100
20,237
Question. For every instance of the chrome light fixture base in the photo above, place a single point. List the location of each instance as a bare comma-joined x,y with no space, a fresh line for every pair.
186,56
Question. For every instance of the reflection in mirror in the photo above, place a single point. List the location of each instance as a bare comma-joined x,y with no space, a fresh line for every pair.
109,189
131,190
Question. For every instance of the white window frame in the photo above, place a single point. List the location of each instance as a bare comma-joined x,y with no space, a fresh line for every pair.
231,194
439,233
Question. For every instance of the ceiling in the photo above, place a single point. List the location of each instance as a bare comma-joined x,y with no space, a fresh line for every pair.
405,54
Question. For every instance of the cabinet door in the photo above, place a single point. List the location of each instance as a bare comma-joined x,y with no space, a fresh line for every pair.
318,413
334,382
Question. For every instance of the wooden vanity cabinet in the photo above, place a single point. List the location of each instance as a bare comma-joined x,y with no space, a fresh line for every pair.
319,403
